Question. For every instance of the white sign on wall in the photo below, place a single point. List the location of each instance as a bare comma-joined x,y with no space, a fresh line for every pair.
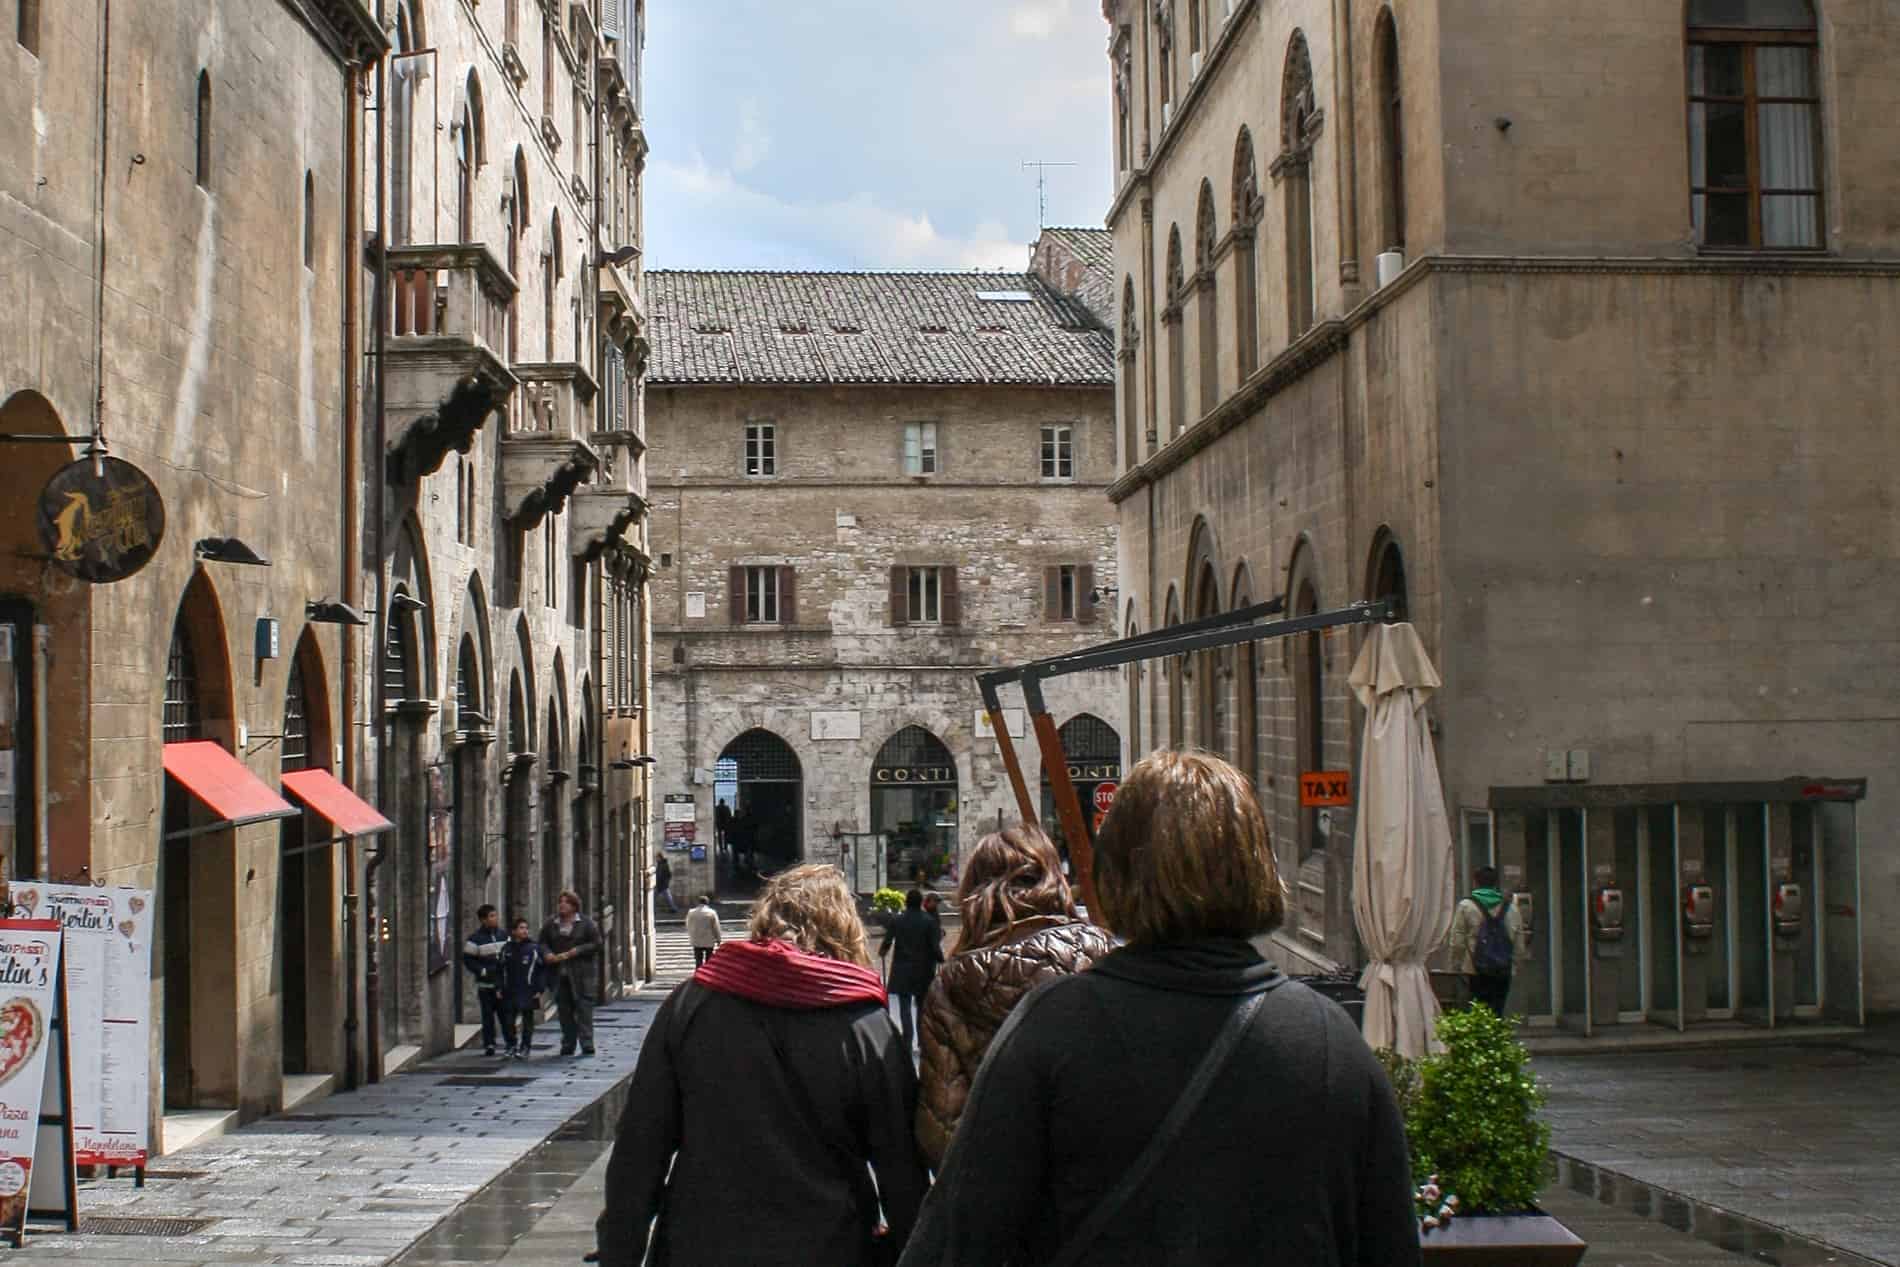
1015,718
679,809
696,605
838,725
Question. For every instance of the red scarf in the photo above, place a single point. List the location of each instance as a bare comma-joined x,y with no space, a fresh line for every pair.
779,974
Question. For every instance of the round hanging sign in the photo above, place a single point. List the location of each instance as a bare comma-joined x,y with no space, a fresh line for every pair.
101,526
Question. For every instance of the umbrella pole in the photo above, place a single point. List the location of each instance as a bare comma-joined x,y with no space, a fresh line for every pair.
1055,767
999,726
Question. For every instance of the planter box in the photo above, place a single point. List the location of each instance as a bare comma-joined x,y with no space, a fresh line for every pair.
1501,1240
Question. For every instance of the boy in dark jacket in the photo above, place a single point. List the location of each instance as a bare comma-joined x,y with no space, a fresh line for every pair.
481,959
524,977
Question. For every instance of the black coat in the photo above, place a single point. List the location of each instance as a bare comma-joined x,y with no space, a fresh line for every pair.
749,1183
583,970
915,941
481,957
1297,1155
525,974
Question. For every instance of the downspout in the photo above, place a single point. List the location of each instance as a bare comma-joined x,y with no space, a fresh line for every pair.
378,471
352,586
643,632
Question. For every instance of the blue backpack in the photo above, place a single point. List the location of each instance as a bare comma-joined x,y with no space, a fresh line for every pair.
1491,956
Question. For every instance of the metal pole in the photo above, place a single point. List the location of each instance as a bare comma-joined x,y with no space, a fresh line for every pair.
1055,768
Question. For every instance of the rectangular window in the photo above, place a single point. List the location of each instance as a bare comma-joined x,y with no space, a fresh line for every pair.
924,599
1058,453
550,573
609,599
1068,593
761,596
761,449
1754,143
920,448
29,29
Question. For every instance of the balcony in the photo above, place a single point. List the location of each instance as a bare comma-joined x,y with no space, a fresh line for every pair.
444,370
545,454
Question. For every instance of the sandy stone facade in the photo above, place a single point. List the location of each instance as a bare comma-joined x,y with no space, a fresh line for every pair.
901,561
1440,304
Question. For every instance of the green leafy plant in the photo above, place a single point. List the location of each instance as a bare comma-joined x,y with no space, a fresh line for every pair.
887,901
1471,1117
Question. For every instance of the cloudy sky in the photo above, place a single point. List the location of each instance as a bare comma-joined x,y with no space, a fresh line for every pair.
870,133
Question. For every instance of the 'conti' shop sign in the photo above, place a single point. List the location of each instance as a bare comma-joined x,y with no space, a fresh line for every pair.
1096,772
914,775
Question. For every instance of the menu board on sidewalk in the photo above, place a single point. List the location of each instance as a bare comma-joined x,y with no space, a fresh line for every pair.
109,994
29,978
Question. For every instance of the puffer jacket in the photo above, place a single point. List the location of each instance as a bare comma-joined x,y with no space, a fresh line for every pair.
973,995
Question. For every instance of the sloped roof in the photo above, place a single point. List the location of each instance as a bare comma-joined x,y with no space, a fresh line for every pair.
1094,247
773,327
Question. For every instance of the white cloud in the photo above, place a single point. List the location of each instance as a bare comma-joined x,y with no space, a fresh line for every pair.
754,141
1038,19
857,230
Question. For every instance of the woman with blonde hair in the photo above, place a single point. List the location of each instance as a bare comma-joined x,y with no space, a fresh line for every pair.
1181,1101
1020,929
769,1117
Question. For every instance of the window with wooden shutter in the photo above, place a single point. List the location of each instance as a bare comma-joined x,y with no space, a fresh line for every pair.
735,594
951,607
1085,593
1052,594
787,596
900,594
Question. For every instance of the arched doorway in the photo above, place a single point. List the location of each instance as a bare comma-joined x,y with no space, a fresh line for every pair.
196,873
554,874
305,877
518,818
914,802
759,778
1306,665
1094,753
1210,671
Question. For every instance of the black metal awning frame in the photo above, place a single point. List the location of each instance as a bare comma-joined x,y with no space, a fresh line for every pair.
1210,633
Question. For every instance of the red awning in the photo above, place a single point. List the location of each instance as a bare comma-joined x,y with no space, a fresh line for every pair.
343,809
223,783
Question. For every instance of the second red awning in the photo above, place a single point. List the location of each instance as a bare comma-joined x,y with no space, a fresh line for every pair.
343,809
224,784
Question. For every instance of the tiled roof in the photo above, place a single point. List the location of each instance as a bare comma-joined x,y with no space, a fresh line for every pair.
765,327
1094,247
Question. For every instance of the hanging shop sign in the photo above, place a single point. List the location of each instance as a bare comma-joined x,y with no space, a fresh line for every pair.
914,775
101,525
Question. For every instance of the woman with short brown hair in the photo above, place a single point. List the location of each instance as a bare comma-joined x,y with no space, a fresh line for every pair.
771,1089
1181,1101
1020,929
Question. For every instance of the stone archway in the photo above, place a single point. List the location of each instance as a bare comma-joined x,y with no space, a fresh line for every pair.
761,781
306,876
1094,753
914,802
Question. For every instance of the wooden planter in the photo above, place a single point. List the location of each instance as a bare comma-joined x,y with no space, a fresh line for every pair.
1501,1240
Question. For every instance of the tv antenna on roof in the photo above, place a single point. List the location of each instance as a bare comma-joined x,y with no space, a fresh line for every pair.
1042,189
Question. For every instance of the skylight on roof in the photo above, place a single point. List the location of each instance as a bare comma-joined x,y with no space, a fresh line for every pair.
1005,296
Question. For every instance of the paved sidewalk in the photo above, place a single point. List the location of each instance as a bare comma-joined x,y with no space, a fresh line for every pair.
358,1177
1803,1138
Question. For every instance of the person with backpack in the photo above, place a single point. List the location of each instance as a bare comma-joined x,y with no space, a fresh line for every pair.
1485,933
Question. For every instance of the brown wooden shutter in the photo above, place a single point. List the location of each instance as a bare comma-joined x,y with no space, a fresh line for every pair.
787,596
949,605
735,594
1084,589
900,594
1051,594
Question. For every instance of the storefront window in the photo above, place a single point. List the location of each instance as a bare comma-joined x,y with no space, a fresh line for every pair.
914,804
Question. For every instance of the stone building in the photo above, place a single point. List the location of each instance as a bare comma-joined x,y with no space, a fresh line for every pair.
1561,330
331,335
874,485
509,510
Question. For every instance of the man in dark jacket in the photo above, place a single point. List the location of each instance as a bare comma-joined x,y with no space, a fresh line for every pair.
573,946
914,942
523,969
481,959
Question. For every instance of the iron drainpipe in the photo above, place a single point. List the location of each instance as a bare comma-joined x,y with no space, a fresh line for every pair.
377,470
352,580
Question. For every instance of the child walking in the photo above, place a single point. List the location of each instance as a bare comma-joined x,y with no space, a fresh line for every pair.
524,976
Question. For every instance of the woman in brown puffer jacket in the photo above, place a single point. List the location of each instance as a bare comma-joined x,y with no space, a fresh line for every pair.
1020,929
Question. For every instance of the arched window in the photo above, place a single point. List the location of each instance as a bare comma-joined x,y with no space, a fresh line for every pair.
295,745
1385,578
184,715
518,740
517,229
1246,689
469,713
1124,102
1754,123
403,68
204,130
1299,114
1164,53
1177,679
469,157
1177,337
1134,699
1131,378
1206,240
1210,694
401,656
1247,217
1391,136
309,220
550,278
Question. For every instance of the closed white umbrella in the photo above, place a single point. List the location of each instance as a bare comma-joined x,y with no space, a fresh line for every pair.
1402,864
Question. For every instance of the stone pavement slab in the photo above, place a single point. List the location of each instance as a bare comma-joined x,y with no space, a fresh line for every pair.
353,1180
1803,1138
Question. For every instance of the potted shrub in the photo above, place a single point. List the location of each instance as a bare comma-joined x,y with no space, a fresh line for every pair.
1480,1154
886,905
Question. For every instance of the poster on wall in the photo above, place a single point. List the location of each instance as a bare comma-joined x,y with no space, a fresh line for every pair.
108,993
29,975
441,831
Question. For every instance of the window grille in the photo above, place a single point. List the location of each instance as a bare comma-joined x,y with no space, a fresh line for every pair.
182,719
910,747
759,756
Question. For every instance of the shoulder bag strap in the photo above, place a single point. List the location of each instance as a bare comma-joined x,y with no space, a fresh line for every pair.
1166,1135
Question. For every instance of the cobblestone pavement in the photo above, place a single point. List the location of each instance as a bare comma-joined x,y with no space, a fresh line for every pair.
1804,1138
356,1178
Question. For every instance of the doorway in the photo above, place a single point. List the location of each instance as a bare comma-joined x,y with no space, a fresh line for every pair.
759,779
914,805
1094,752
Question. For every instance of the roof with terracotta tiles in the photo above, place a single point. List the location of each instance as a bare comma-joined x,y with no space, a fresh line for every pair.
938,328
